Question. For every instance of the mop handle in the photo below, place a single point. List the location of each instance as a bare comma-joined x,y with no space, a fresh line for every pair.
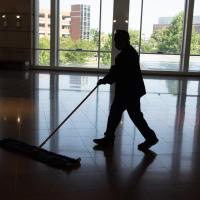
43,143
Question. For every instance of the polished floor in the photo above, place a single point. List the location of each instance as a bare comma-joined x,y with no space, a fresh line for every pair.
33,103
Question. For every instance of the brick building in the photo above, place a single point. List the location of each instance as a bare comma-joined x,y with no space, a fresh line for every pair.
80,21
75,22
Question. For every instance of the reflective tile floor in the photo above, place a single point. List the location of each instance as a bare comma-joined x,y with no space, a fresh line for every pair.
33,103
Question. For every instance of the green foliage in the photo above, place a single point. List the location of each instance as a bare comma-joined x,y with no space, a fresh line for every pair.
149,46
106,45
195,43
44,42
44,55
169,40
134,38
74,51
94,36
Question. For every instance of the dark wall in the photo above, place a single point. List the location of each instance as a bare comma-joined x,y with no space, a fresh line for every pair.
15,31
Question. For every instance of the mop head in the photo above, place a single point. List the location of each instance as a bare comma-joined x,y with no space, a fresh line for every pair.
39,154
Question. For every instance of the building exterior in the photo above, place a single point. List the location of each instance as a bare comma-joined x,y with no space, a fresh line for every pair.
80,21
74,23
65,21
45,23
164,22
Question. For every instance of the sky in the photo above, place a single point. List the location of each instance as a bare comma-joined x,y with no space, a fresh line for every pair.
152,10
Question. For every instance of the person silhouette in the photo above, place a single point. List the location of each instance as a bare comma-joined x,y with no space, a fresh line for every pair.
129,88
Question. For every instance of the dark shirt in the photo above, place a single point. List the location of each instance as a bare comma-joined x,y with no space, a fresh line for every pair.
126,73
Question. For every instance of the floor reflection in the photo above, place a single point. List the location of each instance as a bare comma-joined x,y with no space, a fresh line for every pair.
32,104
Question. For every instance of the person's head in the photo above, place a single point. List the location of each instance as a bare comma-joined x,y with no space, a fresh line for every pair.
122,39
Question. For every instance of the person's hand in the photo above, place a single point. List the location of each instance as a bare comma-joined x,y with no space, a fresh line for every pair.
100,82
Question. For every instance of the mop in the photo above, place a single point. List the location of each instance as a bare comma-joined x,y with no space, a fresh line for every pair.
42,155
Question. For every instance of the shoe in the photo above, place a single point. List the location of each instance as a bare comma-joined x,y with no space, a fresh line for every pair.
148,144
104,141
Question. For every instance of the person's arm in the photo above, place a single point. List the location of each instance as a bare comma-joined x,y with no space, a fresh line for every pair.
109,78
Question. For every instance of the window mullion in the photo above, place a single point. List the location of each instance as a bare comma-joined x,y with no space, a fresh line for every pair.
187,35
35,32
99,42
54,33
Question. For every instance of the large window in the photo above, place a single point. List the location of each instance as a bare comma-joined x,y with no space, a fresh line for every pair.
85,33
78,33
156,29
79,41
86,39
195,41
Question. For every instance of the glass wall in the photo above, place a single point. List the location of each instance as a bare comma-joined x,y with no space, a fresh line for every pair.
83,33
84,30
156,29
79,33
42,34
195,41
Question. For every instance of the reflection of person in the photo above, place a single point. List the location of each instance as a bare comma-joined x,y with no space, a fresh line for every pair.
129,88
119,188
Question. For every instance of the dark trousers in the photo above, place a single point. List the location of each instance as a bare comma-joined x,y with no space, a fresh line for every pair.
134,111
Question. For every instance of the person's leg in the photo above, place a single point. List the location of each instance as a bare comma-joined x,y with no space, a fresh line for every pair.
136,116
114,119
